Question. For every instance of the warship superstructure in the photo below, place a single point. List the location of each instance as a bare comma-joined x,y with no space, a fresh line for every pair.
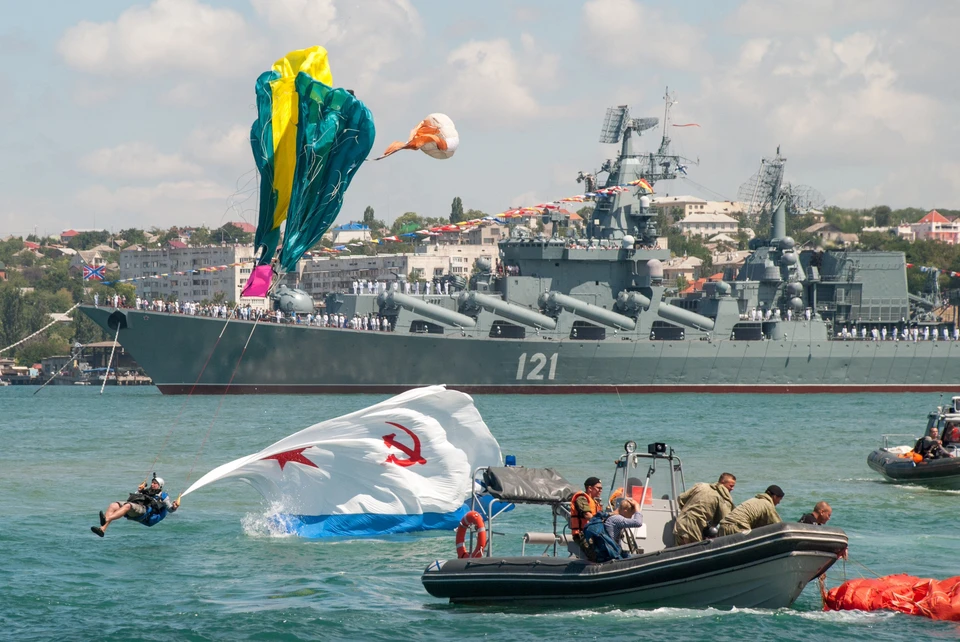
568,314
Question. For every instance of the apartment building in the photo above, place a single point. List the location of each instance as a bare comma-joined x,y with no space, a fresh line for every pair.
190,274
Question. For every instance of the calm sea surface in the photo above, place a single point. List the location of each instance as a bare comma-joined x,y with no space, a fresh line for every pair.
212,572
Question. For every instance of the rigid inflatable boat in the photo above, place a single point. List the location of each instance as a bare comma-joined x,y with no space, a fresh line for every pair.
767,567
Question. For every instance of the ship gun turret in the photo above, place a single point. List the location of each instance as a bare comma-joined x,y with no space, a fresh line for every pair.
477,301
609,318
423,308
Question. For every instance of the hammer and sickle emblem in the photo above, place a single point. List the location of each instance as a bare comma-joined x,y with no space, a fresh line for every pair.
413,454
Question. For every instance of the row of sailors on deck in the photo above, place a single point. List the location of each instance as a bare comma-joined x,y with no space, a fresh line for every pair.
906,334
356,322
759,314
377,287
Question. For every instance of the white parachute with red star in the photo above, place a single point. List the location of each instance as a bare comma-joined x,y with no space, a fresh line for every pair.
402,465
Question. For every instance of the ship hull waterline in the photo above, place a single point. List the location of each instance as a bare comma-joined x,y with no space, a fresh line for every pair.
201,355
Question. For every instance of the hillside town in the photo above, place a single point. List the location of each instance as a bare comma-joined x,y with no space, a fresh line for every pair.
196,270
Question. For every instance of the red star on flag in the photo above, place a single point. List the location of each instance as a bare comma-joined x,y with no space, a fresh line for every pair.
295,456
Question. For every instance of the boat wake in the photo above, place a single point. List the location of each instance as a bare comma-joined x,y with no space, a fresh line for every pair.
673,614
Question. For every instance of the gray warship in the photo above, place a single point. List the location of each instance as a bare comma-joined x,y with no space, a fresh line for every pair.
588,314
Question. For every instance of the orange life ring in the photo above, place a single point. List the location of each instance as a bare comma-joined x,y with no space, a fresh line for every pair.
474,519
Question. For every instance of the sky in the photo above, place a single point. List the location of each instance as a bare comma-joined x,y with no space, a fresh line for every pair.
126,113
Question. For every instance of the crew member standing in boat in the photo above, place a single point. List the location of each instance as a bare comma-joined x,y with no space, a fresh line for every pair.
583,506
753,513
820,515
703,507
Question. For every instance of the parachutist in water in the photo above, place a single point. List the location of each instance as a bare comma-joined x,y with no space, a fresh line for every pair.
149,505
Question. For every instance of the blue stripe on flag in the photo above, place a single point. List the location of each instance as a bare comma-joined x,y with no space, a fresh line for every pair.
365,525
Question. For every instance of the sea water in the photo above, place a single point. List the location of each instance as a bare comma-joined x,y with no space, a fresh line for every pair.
215,571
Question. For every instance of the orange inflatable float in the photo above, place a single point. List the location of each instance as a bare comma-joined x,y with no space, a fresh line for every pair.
935,599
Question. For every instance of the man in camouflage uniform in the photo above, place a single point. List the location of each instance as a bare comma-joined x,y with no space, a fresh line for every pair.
583,506
753,513
703,506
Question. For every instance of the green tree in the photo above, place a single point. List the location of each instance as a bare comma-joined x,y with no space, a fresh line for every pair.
456,211
368,216
87,240
37,349
407,222
86,331
882,215
201,236
230,233
9,248
133,236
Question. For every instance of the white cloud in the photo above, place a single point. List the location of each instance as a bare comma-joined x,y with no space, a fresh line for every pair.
308,17
486,83
625,33
778,17
137,160
362,38
167,35
225,147
139,199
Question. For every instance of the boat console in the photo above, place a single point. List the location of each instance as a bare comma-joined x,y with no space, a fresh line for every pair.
636,475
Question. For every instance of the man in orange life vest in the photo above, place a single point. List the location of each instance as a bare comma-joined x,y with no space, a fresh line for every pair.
583,506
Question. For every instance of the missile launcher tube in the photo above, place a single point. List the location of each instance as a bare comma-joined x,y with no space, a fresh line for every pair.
429,310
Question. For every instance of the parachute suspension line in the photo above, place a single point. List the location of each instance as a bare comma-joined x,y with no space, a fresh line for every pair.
73,356
220,405
25,339
869,570
106,375
176,421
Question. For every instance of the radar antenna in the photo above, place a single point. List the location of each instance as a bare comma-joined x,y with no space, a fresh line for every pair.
617,121
765,190
614,123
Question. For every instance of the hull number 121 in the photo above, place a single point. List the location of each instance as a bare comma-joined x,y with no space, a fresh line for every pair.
533,371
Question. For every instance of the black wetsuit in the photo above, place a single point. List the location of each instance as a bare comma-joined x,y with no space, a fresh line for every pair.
808,518
929,448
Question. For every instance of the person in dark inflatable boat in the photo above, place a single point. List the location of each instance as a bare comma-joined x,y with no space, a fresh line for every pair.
929,447
149,505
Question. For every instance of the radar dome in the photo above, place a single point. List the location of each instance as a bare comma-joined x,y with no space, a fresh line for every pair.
655,269
483,264
796,303
794,289
645,202
788,258
787,242
627,242
723,288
